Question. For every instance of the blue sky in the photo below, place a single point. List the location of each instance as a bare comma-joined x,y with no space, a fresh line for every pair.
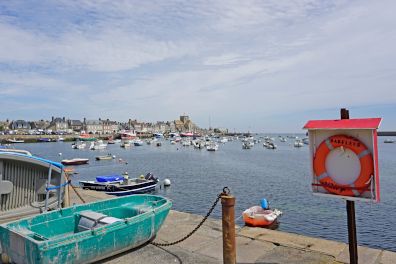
246,65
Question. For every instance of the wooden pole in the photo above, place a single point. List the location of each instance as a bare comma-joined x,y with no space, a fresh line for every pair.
350,206
228,223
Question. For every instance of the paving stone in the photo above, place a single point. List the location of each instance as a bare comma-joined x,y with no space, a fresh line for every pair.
248,250
365,255
388,257
290,255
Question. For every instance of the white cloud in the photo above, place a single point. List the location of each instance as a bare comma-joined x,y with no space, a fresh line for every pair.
252,57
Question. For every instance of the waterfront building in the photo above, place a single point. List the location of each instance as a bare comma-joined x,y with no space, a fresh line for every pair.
20,125
109,127
92,126
40,125
75,125
58,124
4,125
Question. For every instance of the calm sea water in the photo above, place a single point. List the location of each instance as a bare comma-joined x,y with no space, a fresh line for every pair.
282,176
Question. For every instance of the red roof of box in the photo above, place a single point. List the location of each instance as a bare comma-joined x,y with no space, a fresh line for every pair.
361,123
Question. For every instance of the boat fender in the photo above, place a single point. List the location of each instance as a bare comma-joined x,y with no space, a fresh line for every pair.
264,204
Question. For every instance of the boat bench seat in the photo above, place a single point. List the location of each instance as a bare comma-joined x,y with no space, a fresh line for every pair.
90,220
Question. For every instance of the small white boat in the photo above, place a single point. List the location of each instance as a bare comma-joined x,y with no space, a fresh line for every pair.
14,140
79,145
247,145
212,147
388,140
298,143
138,142
186,143
125,144
98,145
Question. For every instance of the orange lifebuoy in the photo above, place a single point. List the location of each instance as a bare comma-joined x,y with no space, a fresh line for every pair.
366,165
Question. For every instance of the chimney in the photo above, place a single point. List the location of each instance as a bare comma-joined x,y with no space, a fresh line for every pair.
85,120
52,118
64,119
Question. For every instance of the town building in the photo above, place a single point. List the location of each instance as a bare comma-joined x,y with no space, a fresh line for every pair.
93,126
109,127
58,124
75,125
20,125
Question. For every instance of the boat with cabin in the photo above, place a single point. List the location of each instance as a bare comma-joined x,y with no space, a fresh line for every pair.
79,145
212,146
85,233
97,145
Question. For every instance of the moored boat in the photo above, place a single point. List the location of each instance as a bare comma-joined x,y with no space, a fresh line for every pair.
388,140
85,233
86,137
79,145
125,144
212,147
14,140
98,145
127,186
261,216
76,161
105,157
138,142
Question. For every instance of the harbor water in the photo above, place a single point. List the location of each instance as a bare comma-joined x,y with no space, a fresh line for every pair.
282,176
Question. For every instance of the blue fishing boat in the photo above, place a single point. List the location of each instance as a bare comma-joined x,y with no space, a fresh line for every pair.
85,233
115,186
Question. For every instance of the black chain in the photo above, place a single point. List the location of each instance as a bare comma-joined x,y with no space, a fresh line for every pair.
226,191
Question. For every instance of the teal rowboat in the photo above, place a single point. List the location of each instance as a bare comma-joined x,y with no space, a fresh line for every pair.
85,233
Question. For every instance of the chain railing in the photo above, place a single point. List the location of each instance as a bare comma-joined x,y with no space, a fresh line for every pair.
226,191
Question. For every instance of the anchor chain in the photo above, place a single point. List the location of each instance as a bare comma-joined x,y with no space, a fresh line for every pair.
226,191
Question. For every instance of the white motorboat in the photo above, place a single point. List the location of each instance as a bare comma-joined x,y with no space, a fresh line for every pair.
98,145
186,143
125,144
212,147
79,145
247,145
14,140
298,143
388,140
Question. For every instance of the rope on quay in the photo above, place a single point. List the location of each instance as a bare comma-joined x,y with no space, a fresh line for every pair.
226,191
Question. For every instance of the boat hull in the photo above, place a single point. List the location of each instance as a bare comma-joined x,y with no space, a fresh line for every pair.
113,188
56,237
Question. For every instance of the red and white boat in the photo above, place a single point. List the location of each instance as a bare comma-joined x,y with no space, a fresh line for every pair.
187,134
128,135
259,217
76,161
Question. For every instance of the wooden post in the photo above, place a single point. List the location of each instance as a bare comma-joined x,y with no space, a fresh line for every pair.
350,206
228,223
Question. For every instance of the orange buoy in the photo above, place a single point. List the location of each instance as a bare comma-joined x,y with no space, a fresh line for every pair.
366,165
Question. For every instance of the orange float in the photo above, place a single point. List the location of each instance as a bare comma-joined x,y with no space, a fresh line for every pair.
366,165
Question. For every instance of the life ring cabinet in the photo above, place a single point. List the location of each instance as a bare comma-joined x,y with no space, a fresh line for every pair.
344,158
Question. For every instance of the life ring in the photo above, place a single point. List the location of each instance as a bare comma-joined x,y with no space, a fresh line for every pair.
366,165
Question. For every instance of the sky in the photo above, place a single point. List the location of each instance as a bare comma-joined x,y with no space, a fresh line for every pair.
263,66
